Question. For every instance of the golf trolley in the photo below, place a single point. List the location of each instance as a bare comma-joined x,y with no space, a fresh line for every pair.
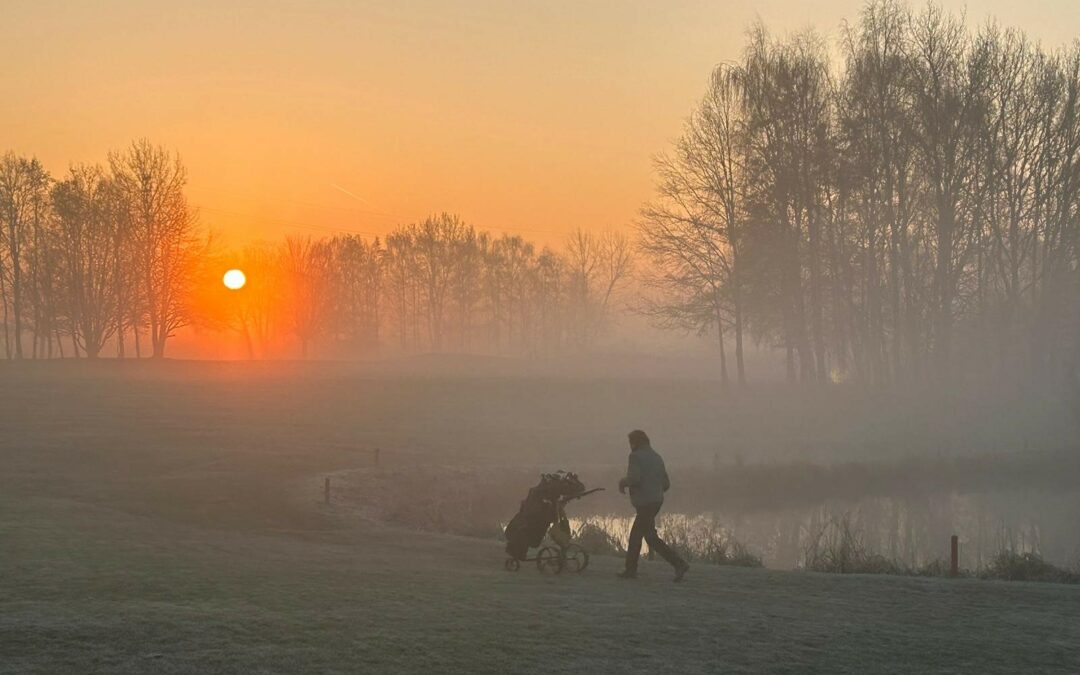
543,512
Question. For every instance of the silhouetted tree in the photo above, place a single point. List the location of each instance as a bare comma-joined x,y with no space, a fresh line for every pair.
691,233
150,181
90,248
24,203
309,287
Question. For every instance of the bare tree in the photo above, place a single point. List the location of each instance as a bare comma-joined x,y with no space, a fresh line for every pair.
787,98
934,185
357,269
597,268
24,186
436,244
948,77
548,279
308,274
877,165
691,233
165,247
86,205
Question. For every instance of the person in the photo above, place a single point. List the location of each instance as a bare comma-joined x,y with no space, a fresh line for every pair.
648,481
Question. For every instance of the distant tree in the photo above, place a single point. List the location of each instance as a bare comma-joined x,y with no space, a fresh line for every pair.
512,260
597,268
548,279
260,303
691,232
436,241
89,244
948,77
467,283
401,286
309,283
877,165
24,186
787,108
357,269
164,244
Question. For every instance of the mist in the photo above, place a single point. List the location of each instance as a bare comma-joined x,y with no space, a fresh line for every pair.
813,407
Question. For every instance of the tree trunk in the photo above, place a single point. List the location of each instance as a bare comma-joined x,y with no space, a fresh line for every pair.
723,350
943,282
816,323
894,302
159,343
7,328
16,292
119,338
740,368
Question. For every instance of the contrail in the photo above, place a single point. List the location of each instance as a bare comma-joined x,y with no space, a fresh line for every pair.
356,197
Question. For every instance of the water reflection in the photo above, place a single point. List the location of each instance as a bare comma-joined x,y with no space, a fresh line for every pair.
911,531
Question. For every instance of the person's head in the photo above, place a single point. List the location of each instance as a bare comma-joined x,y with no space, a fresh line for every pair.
638,438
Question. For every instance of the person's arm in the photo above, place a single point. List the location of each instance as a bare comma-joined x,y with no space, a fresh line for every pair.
667,481
633,475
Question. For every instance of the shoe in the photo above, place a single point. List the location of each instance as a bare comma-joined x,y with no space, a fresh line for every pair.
681,570
627,574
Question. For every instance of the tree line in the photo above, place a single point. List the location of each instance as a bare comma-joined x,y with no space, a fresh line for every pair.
112,260
910,212
103,254
432,286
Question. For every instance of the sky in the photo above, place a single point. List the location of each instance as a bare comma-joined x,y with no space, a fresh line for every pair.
330,116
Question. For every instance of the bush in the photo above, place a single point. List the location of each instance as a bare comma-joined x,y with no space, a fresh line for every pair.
1013,566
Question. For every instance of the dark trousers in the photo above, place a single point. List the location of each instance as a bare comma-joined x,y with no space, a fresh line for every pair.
644,527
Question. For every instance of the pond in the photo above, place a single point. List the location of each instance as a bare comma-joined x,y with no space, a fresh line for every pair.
913,531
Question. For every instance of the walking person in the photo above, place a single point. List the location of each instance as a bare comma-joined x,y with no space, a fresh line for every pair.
648,481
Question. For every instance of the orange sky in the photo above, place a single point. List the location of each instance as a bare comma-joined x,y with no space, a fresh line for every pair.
350,115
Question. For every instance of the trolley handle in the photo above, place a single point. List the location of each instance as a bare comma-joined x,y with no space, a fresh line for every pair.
587,492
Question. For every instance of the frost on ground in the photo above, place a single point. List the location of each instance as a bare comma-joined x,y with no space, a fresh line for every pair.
147,527
95,590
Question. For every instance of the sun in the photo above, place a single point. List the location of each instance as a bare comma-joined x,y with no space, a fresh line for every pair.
234,280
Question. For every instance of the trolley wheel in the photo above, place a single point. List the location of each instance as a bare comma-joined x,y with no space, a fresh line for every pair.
575,558
549,560
512,565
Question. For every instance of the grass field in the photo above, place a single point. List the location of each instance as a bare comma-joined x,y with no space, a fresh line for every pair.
153,523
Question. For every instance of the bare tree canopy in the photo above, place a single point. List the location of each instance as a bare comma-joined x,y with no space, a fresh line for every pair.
150,181
912,212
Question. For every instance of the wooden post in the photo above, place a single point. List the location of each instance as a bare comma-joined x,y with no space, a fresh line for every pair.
326,490
954,560
376,457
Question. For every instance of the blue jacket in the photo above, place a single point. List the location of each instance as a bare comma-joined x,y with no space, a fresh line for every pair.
646,477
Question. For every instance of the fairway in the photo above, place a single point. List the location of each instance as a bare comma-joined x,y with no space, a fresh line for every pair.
162,544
